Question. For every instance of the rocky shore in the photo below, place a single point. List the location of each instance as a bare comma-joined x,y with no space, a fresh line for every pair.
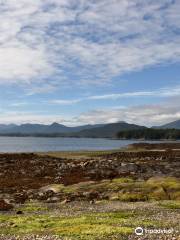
34,185
23,174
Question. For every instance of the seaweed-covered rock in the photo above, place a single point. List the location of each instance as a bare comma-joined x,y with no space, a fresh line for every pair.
5,206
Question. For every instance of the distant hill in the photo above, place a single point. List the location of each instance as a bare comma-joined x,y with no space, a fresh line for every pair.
59,128
25,129
32,129
108,130
175,125
6,127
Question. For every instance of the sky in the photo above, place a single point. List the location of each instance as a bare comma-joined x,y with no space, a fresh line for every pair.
89,61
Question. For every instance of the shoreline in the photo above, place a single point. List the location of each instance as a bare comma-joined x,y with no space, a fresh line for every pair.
136,161
91,137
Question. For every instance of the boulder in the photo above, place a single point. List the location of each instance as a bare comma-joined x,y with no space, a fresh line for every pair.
20,197
19,212
127,168
5,206
45,195
91,195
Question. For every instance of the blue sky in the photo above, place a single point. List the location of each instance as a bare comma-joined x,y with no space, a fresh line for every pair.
84,61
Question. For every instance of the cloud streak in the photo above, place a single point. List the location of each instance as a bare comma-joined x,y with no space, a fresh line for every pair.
161,93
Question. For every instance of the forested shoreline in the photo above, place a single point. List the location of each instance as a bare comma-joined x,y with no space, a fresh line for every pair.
150,134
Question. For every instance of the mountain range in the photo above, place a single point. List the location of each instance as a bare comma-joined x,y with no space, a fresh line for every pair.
96,130
56,129
108,130
171,125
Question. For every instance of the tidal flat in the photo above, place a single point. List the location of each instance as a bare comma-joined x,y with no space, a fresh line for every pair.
91,195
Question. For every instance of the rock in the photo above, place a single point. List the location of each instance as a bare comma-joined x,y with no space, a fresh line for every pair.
53,200
127,168
32,194
19,212
91,195
65,201
45,195
49,193
20,197
5,206
92,202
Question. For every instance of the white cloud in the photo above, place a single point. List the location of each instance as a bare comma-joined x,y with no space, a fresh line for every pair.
93,41
20,117
20,63
65,102
149,115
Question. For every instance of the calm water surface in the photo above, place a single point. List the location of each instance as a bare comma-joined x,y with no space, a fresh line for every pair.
34,144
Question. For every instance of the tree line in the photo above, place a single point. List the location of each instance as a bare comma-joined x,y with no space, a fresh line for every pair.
150,134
